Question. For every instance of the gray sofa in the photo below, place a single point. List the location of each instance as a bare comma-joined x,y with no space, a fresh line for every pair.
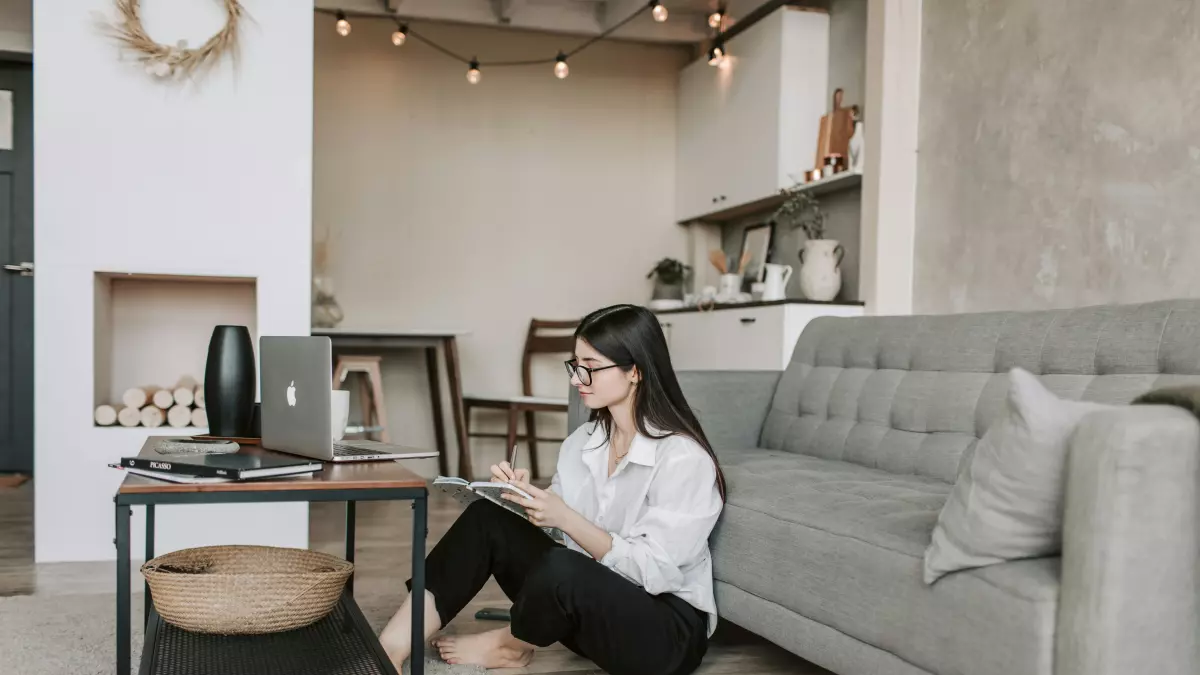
838,467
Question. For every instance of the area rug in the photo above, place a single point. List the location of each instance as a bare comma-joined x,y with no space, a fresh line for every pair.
12,480
58,634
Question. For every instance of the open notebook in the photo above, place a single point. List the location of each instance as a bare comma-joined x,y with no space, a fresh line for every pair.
467,492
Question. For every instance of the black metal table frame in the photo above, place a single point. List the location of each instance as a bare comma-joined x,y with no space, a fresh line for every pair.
418,496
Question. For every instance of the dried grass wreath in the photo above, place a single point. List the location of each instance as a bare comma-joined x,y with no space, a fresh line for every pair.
178,61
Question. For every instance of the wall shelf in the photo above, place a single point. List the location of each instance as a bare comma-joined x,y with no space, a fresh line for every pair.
846,180
152,329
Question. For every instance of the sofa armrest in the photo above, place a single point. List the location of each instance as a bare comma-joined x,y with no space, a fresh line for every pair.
731,405
1130,595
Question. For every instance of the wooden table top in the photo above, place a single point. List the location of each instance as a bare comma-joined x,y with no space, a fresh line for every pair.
335,476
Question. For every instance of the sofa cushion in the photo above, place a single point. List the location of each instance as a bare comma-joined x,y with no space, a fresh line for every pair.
842,544
910,394
1008,500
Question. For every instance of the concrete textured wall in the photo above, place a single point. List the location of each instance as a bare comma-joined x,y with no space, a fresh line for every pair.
1059,155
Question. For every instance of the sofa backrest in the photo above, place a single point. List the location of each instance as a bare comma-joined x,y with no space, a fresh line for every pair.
909,394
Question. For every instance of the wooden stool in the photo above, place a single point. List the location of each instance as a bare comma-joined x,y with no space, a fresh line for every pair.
370,390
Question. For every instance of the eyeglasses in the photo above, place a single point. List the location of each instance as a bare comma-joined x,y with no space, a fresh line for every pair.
583,372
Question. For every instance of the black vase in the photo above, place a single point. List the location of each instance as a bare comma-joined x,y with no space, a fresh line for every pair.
229,381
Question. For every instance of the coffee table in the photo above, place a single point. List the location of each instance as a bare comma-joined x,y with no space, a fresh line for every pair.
340,644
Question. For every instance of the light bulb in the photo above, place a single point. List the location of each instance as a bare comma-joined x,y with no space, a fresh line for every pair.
343,26
560,66
715,19
400,35
659,12
716,55
473,74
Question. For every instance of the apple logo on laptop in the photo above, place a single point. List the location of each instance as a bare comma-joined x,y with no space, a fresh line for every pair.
291,394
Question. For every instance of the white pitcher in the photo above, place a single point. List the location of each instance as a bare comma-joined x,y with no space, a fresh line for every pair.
776,281
820,274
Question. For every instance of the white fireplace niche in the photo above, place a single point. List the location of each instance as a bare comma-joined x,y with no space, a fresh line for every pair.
152,329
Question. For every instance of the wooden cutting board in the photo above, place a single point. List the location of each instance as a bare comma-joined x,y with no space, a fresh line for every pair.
837,126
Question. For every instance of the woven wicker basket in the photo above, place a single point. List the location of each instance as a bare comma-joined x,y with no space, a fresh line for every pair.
245,590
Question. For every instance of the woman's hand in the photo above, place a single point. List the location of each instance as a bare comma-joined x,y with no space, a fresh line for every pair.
504,473
546,509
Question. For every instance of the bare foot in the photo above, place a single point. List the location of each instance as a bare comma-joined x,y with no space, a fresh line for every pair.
493,649
396,637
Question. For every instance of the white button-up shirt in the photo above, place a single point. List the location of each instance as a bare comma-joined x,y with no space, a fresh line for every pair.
659,505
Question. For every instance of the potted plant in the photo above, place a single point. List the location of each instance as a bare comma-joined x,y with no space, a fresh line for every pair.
669,276
820,258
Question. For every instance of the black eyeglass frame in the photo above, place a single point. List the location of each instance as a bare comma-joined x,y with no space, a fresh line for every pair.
576,370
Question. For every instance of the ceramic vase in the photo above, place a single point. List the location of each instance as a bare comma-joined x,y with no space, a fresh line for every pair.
230,382
857,149
326,312
820,269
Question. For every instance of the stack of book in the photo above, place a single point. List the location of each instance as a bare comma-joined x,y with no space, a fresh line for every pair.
215,468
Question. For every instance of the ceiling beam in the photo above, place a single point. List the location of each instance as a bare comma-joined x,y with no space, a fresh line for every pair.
616,11
504,9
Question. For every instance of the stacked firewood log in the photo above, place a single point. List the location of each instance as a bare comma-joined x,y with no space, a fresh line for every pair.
179,406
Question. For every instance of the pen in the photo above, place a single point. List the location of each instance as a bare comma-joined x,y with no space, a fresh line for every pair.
512,460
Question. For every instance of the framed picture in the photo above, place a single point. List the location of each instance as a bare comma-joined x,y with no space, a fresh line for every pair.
756,244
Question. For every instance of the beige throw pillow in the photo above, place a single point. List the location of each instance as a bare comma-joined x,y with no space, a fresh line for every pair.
1008,500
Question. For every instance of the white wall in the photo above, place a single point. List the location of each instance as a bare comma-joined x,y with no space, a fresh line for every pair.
135,175
889,201
479,207
152,331
16,26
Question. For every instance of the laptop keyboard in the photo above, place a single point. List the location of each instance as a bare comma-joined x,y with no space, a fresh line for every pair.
343,450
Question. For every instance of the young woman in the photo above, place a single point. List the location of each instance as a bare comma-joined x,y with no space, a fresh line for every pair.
636,494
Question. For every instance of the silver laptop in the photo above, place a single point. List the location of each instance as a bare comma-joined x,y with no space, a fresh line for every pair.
297,377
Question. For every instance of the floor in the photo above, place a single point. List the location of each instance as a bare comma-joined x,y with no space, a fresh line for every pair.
383,563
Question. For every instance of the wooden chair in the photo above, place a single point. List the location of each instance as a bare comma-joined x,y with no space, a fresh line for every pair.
370,393
559,341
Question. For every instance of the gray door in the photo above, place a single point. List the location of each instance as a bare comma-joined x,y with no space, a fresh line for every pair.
16,282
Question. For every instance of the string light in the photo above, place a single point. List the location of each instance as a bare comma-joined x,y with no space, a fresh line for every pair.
658,11
716,18
717,54
401,34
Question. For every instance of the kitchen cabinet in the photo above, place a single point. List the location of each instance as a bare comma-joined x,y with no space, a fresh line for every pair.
749,127
750,337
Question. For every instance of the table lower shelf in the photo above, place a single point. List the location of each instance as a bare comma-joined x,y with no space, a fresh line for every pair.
342,643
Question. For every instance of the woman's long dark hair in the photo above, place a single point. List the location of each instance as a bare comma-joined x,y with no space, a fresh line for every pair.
631,336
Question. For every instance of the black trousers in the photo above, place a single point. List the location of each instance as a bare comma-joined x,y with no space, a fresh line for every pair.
561,595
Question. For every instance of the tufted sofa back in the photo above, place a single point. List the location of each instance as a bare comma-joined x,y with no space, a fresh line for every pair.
909,394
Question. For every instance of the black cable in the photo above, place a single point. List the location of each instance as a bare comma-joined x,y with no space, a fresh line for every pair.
438,47
608,31
493,64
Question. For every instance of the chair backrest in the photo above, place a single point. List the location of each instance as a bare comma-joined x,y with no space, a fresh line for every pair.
910,394
545,337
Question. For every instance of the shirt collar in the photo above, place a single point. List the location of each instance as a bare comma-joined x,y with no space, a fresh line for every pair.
642,450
